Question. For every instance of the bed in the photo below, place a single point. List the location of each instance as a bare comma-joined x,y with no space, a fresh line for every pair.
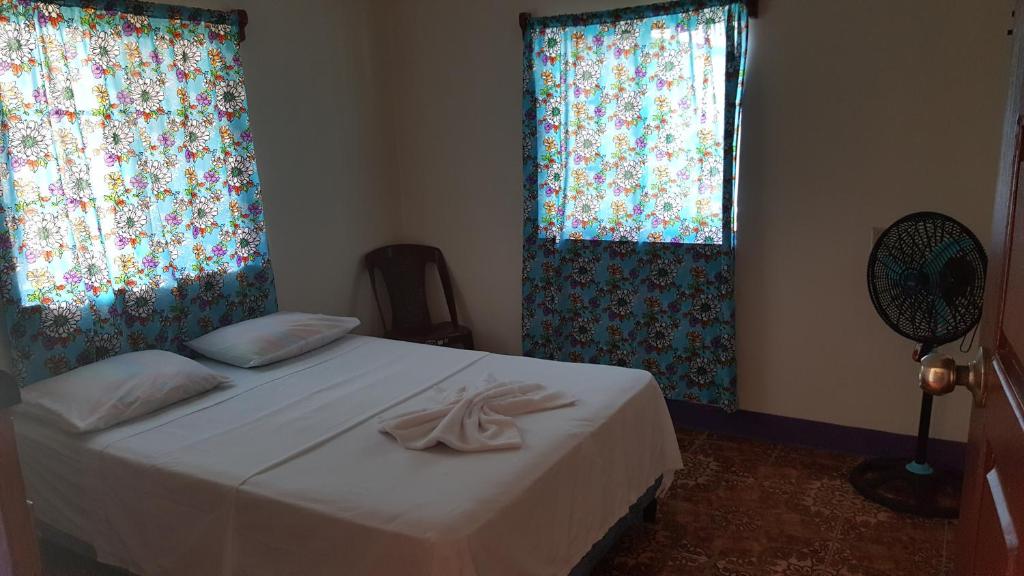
284,471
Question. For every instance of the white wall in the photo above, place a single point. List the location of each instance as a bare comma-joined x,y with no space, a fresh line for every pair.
856,113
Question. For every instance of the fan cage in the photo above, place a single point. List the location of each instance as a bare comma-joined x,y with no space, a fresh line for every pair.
926,278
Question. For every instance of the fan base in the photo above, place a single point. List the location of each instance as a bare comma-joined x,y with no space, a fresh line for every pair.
889,482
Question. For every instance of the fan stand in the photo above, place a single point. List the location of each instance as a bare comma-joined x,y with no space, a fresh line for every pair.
911,487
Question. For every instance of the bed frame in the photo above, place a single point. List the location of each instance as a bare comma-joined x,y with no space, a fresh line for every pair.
645,509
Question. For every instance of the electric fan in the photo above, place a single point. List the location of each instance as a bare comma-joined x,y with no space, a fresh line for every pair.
926,277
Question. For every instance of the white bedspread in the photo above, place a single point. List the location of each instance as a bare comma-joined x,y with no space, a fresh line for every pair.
285,472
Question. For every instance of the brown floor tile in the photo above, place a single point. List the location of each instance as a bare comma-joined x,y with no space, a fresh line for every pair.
759,509
688,439
877,541
776,560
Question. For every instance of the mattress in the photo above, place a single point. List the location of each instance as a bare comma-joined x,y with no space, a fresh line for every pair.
284,470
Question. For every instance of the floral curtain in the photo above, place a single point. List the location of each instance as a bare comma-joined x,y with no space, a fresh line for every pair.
131,210
631,132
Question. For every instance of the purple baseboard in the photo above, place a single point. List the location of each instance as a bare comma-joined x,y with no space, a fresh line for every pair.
945,454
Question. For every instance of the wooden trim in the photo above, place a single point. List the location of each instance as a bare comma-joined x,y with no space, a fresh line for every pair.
945,454
1007,232
243,21
19,549
753,7
524,20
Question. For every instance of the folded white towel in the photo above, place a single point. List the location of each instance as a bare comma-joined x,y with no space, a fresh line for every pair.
475,420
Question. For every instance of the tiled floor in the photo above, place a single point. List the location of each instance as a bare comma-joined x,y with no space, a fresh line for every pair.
746,508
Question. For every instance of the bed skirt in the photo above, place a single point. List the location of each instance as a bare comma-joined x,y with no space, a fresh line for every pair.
643,510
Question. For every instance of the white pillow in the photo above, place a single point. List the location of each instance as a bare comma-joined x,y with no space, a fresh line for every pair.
110,391
271,338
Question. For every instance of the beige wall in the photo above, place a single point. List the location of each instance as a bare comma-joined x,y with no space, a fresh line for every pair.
314,99
856,117
315,105
856,113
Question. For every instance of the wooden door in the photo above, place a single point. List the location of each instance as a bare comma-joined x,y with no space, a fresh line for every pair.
19,550
992,510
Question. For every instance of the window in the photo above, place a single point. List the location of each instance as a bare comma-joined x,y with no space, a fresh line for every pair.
132,217
630,128
630,118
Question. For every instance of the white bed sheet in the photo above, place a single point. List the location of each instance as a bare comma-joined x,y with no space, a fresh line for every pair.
284,471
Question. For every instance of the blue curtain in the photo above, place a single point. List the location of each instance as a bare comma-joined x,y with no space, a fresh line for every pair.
631,132
131,210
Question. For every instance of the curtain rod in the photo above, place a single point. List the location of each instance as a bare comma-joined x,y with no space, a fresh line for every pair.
243,21
138,7
524,17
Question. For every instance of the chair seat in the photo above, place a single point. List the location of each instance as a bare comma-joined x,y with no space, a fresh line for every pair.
439,334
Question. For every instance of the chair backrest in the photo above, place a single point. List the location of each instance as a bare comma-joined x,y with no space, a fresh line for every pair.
403,267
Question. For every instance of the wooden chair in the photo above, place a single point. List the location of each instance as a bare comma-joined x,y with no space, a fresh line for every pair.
403,268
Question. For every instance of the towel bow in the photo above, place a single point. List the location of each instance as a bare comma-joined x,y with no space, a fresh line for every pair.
475,420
